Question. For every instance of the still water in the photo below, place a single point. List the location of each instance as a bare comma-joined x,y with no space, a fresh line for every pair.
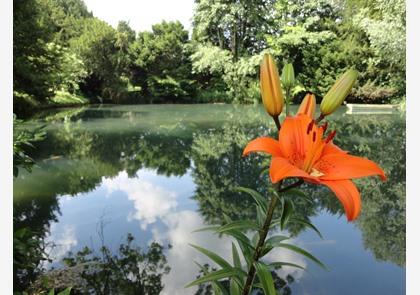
161,172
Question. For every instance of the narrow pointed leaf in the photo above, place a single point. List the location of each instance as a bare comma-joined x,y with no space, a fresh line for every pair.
259,199
274,240
65,292
227,218
281,264
266,278
287,212
235,257
303,252
214,276
240,237
240,224
308,224
213,227
261,215
234,288
213,256
218,288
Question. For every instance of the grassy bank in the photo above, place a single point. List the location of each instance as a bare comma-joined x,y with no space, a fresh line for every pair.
24,104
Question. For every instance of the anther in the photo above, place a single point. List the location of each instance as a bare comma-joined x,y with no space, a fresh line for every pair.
314,136
330,136
310,126
325,126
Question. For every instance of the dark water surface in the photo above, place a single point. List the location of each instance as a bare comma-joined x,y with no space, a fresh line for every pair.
161,172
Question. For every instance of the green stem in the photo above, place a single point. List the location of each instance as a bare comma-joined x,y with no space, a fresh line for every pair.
263,234
287,100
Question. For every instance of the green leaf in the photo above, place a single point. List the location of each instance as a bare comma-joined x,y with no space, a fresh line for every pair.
281,264
303,252
240,237
244,244
287,212
213,227
240,224
259,199
65,292
261,215
227,218
265,249
272,243
52,292
213,256
308,224
255,239
214,276
234,288
266,278
274,240
217,287
235,257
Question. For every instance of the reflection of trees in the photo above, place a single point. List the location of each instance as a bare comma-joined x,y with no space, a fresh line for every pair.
383,214
219,168
131,270
74,159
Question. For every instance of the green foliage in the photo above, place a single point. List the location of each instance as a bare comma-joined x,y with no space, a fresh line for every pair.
237,75
28,254
98,48
323,38
32,61
60,46
22,139
161,65
70,69
237,273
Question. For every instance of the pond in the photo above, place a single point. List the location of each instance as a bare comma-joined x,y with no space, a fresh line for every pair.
159,172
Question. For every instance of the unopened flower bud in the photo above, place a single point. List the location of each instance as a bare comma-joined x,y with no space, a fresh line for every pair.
308,105
288,76
271,92
338,92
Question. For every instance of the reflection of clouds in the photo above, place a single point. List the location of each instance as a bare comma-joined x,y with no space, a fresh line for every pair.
153,202
285,255
60,241
179,233
150,201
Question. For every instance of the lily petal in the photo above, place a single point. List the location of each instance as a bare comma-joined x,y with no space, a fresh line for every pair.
263,144
340,166
307,106
281,168
349,196
331,148
293,136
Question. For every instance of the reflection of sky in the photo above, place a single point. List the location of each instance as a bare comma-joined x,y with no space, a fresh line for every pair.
159,208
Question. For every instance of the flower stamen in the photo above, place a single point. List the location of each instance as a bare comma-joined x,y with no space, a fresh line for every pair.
330,136
310,126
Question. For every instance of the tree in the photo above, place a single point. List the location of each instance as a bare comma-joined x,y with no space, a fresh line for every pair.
32,62
99,48
162,67
238,26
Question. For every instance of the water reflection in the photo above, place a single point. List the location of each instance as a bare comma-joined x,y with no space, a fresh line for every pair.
171,171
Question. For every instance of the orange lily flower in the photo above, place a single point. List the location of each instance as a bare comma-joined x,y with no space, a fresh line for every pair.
302,151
